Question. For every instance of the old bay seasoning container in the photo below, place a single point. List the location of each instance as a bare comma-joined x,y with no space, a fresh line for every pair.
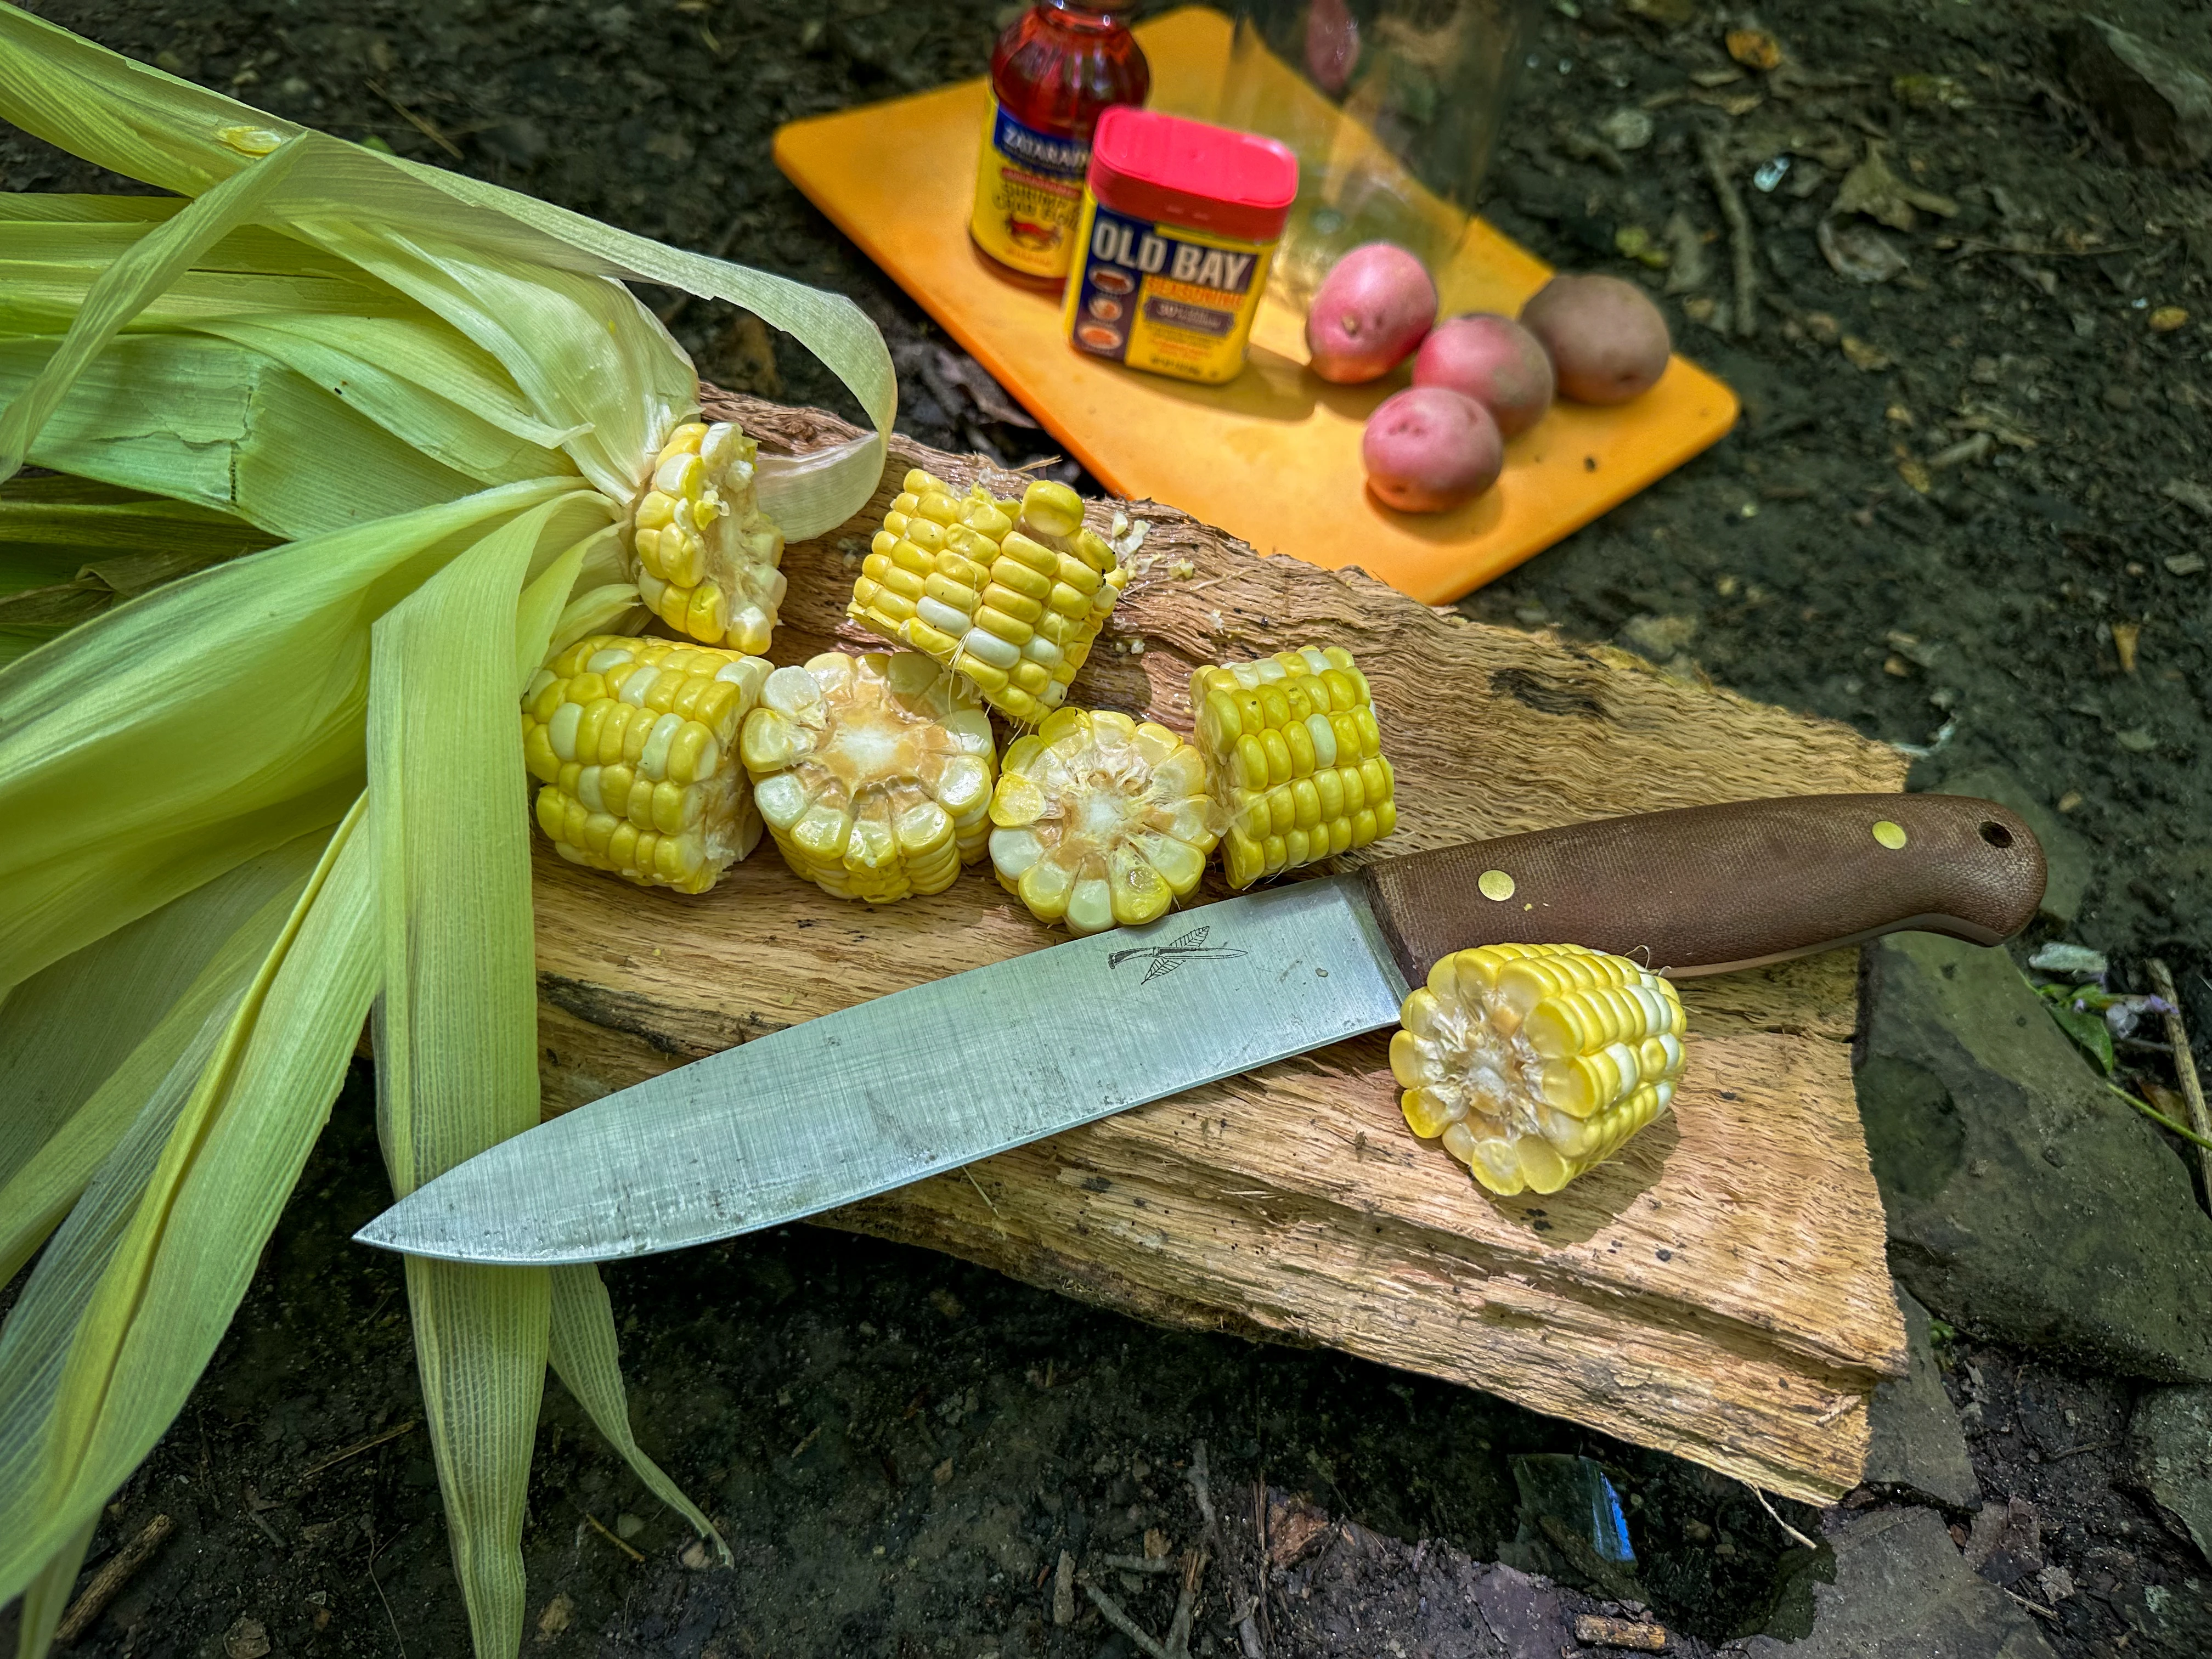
1055,68
1179,221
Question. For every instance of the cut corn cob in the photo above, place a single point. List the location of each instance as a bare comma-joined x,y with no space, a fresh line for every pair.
705,554
1100,820
874,773
1295,759
1534,1062
636,741
1011,594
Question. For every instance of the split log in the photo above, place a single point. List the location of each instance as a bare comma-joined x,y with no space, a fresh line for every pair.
1719,1291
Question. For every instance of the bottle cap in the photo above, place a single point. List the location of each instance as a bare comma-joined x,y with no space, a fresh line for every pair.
1176,171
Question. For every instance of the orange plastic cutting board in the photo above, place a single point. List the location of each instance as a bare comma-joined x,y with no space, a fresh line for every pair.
1273,456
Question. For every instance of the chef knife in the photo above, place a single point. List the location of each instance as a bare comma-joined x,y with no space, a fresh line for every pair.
925,1080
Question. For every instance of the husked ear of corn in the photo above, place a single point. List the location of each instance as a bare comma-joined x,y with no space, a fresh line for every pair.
705,554
1295,759
874,773
1535,1062
1100,821
636,741
1009,594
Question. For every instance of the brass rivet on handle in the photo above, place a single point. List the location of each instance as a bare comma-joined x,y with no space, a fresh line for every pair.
1496,884
1891,836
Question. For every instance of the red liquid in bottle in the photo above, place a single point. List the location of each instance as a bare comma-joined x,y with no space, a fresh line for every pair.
1056,68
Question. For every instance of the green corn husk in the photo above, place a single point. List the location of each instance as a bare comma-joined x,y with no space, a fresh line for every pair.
347,439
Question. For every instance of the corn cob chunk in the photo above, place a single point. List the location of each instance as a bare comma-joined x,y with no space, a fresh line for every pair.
704,555
636,741
1535,1062
1100,821
874,773
1295,757
1009,594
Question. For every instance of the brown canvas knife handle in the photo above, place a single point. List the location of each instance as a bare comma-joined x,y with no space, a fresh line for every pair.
1706,889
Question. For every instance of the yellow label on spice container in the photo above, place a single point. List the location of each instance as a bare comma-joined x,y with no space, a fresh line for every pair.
1161,298
1029,188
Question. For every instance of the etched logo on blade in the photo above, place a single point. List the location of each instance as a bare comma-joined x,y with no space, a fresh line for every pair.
1166,958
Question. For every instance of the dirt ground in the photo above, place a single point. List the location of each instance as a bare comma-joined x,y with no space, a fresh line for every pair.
1952,497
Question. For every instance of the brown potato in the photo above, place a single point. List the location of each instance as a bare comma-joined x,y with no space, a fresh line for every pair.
1492,360
1428,448
1373,307
1608,341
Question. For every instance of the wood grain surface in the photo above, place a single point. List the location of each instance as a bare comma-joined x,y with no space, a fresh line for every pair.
1718,1292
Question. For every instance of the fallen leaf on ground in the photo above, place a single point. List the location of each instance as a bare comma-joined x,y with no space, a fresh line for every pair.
1634,242
2189,493
1671,13
1932,92
1860,253
1754,48
1626,130
1872,358
1687,267
2124,637
1872,189
2166,318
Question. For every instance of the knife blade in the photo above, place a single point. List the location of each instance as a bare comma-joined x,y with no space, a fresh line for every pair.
856,1102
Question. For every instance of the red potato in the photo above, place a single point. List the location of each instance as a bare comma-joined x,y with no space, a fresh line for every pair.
1608,341
1429,449
1492,360
1373,307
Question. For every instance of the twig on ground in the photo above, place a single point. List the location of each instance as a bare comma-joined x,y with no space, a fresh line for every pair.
2160,1118
1743,242
1137,1563
2036,1607
421,124
1596,1631
382,1597
1772,1516
1197,1477
2184,1069
2075,1451
1265,1632
611,1538
1121,1621
356,1449
1194,1571
113,1575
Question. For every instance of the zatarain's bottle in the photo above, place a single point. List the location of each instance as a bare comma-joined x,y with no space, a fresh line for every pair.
1057,68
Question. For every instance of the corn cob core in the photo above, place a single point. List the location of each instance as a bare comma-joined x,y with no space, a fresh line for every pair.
635,743
705,554
1534,1062
1295,757
1100,821
874,773
1009,594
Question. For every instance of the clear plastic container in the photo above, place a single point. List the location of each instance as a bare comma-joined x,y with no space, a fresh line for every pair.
1393,108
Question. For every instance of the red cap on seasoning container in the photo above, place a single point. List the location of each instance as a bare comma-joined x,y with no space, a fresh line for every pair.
1162,167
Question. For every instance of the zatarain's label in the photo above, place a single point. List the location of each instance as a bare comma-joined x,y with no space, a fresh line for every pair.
1028,189
1157,297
